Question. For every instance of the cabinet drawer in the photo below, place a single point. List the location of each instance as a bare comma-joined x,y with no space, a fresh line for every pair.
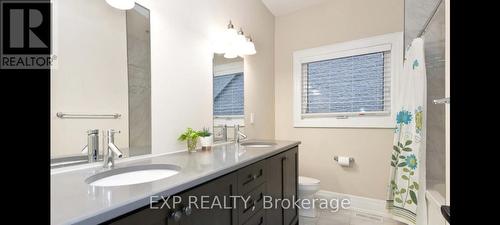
220,188
251,177
145,216
258,219
254,204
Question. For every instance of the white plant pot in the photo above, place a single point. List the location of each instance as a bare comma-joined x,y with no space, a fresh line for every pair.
206,141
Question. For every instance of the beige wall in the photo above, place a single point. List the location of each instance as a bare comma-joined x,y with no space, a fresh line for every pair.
91,72
181,65
324,24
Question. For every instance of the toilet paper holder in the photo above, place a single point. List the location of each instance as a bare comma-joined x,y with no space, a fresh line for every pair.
336,158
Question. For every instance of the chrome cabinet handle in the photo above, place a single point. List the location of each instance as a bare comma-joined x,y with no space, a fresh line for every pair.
187,210
253,176
249,207
176,215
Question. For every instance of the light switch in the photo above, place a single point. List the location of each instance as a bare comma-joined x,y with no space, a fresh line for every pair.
252,118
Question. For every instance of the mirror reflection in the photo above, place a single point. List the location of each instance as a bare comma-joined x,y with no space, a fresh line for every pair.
228,98
102,82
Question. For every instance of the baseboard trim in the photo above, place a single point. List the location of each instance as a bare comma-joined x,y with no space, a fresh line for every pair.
358,203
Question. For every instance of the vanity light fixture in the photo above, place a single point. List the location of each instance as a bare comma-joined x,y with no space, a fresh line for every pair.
234,43
223,42
248,47
122,4
230,32
230,55
240,39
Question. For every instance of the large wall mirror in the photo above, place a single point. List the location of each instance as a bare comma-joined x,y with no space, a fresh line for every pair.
228,97
103,77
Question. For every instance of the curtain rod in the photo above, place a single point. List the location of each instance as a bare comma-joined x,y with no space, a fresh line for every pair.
436,8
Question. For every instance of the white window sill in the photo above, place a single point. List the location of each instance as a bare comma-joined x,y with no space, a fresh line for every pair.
352,122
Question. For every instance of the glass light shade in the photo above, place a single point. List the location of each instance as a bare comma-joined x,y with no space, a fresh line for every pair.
231,51
251,48
248,48
230,35
239,44
121,4
240,40
230,55
219,46
226,41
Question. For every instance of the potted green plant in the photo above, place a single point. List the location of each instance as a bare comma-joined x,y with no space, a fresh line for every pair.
205,138
191,136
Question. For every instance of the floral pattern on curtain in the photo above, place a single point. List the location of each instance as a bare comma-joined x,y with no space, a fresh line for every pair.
407,182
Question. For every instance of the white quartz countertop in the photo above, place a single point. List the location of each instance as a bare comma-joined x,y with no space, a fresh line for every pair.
72,201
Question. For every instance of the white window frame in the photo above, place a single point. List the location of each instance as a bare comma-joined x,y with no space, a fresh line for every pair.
391,41
228,68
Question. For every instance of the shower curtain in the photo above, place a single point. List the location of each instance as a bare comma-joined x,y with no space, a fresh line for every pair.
406,192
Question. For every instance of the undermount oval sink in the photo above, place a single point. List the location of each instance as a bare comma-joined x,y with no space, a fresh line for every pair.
133,175
257,144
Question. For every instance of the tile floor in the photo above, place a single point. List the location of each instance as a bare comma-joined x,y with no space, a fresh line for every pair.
343,217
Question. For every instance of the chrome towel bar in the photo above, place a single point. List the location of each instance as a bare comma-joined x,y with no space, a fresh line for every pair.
336,158
87,116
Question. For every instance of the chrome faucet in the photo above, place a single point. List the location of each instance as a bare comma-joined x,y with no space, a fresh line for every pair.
110,149
238,133
92,147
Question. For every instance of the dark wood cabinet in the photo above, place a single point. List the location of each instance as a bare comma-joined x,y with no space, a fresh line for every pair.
251,176
143,216
282,183
275,166
258,219
254,204
276,177
290,185
222,189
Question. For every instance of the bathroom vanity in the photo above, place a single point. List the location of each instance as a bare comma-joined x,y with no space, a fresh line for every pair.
234,169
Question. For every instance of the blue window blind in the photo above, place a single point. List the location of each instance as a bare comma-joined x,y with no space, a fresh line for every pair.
353,85
228,95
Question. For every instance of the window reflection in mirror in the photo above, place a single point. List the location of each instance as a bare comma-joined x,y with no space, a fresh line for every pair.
228,97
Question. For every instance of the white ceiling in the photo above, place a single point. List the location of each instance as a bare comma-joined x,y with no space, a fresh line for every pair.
283,7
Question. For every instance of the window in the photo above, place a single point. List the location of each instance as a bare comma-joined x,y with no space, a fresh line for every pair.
228,95
350,84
